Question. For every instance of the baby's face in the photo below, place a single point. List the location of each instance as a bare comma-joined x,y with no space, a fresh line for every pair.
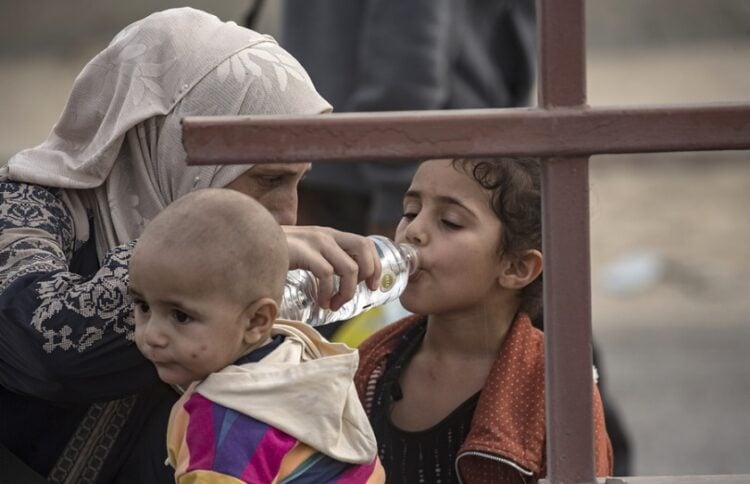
184,323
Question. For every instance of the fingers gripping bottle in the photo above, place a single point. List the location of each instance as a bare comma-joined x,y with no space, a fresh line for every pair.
398,262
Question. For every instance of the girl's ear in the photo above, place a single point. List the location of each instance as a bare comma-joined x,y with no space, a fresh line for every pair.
258,318
519,272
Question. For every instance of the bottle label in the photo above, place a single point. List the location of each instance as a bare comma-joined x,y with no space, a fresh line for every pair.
386,280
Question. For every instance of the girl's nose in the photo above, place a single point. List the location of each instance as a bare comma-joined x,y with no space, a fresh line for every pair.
416,232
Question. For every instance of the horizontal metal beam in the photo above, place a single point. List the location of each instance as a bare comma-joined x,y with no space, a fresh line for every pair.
484,132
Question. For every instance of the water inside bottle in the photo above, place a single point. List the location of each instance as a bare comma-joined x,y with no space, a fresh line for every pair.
397,263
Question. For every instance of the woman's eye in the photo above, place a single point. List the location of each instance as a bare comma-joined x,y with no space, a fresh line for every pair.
181,317
271,181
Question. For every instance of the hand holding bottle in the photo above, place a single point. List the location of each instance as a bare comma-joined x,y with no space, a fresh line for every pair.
397,262
330,254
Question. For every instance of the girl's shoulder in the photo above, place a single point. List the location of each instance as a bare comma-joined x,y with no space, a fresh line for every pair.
385,340
375,351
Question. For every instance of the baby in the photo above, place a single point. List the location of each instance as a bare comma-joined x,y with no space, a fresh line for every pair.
267,400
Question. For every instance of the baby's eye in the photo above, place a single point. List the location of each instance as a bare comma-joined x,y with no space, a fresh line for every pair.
181,317
141,306
409,215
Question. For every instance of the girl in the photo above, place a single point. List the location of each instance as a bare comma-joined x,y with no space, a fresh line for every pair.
455,393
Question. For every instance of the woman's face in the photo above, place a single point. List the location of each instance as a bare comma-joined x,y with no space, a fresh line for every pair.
274,185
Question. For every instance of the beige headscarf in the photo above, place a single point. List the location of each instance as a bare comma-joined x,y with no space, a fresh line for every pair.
117,147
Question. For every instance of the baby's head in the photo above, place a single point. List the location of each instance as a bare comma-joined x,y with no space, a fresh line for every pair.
206,277
477,226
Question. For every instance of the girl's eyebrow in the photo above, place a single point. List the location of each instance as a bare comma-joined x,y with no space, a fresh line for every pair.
444,199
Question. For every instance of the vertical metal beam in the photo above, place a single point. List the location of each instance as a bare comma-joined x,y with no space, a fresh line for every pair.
567,278
562,53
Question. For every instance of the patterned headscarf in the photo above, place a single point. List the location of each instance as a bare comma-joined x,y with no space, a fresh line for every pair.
117,151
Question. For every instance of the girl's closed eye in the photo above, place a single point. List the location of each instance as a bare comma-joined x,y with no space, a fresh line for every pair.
450,224
452,219
411,208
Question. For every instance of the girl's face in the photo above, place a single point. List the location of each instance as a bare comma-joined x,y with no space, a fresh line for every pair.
448,216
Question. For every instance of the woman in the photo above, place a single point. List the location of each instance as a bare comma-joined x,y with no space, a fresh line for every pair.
78,403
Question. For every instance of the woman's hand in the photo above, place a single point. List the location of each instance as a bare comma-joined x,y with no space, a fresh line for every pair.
324,252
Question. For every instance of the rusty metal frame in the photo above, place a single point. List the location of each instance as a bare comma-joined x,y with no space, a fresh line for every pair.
577,131
564,131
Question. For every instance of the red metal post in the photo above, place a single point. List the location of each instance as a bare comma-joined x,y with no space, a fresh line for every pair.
567,279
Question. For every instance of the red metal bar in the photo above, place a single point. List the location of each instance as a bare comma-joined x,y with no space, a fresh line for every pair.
429,134
565,241
567,320
562,53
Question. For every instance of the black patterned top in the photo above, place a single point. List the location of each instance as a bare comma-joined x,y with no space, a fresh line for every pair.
426,456
69,368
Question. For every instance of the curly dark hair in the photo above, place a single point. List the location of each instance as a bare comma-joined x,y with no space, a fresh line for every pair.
515,186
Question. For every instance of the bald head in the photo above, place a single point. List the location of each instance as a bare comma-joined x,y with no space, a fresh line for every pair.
228,237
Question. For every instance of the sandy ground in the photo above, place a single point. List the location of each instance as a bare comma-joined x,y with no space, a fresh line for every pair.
675,340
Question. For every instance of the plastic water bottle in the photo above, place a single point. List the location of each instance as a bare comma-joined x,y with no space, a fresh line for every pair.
397,261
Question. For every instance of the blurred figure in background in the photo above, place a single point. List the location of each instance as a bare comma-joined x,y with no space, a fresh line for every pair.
392,55
387,55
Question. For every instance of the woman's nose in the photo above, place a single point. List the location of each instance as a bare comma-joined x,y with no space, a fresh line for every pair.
284,208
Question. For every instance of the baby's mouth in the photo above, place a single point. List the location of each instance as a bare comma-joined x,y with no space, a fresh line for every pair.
158,361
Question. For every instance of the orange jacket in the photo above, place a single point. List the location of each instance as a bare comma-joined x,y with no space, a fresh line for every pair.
506,442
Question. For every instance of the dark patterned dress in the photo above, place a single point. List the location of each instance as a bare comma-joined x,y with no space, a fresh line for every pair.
75,393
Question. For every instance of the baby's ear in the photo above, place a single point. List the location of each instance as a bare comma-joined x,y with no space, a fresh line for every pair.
258,319
521,271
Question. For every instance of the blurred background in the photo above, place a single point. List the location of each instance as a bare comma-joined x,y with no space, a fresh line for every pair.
670,241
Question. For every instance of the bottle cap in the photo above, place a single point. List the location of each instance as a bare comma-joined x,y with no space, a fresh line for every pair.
411,255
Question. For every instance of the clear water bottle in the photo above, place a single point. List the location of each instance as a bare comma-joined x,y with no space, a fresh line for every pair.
397,261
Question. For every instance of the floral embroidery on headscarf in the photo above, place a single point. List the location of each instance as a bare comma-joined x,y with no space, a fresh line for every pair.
172,64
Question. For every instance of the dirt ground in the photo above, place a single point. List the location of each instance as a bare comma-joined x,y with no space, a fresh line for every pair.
674,335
